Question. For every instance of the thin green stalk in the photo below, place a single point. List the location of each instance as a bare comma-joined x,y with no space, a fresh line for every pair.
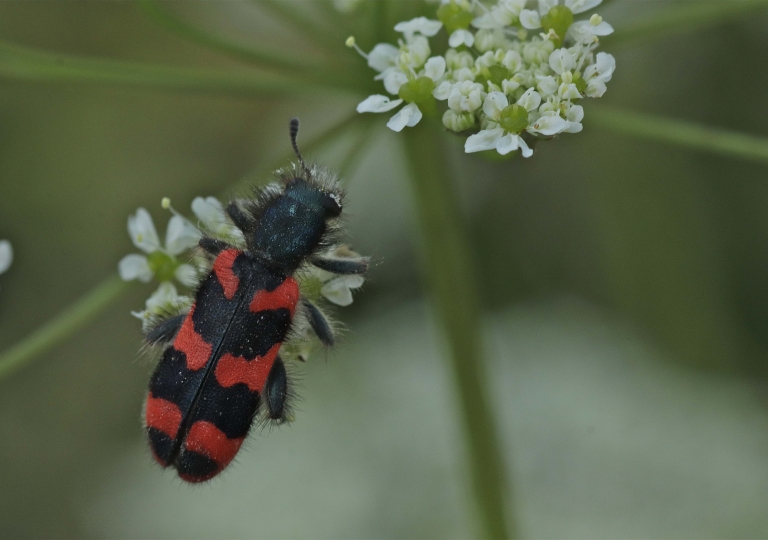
355,153
326,74
63,325
682,133
453,291
687,17
75,317
18,62
163,17
307,28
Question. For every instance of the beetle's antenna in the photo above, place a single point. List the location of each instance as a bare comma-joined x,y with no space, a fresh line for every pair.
294,133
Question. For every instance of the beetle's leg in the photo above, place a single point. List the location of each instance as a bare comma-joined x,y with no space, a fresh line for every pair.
165,330
318,322
357,265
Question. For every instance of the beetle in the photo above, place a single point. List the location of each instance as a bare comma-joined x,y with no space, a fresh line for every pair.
221,368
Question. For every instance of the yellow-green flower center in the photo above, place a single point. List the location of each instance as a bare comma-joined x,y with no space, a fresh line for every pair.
454,17
162,265
559,19
514,118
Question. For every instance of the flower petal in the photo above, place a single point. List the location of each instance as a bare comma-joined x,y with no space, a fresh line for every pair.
507,144
377,103
142,231
561,60
435,67
494,103
580,6
407,116
530,100
134,266
180,236
210,211
422,25
443,90
6,255
186,275
546,5
549,125
338,290
484,140
524,149
530,19
164,295
461,37
383,56
393,80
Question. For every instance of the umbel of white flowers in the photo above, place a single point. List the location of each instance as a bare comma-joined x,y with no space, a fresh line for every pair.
166,261
511,74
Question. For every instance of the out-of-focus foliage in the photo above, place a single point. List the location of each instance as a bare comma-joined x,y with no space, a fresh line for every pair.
637,410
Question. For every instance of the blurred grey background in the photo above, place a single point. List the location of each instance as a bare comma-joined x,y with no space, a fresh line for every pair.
624,285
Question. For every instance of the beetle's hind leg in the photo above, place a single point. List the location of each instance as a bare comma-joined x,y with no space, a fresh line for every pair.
346,266
164,330
319,323
277,392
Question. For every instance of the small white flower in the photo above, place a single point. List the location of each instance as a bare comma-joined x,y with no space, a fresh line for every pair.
338,288
598,74
547,86
180,236
461,37
466,96
458,122
497,138
410,115
422,25
574,116
6,255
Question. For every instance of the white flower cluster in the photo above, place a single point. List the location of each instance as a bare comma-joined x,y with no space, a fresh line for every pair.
511,74
165,262
6,255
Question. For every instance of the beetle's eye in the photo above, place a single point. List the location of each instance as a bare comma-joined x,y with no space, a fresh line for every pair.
332,204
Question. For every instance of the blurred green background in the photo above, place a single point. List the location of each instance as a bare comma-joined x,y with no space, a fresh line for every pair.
624,284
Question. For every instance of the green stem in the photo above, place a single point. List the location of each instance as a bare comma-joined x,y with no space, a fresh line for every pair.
306,27
691,16
62,325
308,70
98,299
17,62
682,133
452,285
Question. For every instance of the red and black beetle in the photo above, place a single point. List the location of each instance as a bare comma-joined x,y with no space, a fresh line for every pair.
222,364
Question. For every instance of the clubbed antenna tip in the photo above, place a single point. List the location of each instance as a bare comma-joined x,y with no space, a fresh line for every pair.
294,132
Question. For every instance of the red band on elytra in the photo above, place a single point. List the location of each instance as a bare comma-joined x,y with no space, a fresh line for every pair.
284,296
